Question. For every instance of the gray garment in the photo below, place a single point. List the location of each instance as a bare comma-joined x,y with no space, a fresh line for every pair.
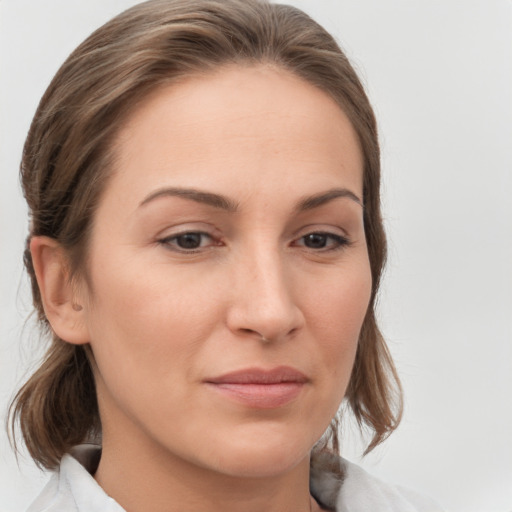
73,489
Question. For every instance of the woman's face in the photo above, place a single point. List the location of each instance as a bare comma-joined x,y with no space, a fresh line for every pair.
228,272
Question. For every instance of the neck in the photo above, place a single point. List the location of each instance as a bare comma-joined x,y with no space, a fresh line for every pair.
144,478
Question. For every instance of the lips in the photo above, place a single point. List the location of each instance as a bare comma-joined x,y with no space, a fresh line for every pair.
260,388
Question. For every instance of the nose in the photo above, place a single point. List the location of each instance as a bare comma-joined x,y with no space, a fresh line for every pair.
264,305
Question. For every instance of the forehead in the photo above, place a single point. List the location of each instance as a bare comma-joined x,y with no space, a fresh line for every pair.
249,123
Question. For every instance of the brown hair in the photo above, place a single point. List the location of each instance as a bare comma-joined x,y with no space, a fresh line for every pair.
67,158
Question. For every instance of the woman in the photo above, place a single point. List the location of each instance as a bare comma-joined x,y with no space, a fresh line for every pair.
205,250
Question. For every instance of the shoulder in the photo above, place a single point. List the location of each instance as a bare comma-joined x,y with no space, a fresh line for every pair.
362,491
72,488
352,489
336,483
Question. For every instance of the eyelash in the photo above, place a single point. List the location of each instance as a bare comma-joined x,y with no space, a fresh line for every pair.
338,242
171,241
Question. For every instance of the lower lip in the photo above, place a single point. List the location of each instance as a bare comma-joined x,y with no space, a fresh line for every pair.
262,396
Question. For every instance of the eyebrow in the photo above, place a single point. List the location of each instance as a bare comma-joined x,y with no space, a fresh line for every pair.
224,203
316,200
199,196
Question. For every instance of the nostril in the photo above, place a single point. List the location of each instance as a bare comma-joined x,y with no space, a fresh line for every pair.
265,311
256,334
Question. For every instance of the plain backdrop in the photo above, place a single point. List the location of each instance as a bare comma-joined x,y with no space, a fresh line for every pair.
439,73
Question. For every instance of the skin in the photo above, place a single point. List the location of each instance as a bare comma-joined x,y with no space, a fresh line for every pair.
163,319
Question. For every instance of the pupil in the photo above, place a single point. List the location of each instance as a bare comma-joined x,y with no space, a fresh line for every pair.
315,241
189,241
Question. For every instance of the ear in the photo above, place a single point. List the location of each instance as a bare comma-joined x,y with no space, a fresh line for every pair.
64,309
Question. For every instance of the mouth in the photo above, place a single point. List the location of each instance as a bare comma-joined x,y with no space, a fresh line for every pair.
260,388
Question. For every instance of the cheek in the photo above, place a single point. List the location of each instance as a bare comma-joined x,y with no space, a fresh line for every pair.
141,327
144,297
335,316
338,302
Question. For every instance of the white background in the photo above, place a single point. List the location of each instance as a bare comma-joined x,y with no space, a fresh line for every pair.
439,74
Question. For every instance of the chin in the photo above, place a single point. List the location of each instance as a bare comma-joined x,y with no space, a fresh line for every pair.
266,456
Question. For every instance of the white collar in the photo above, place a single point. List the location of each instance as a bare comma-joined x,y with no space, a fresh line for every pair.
347,489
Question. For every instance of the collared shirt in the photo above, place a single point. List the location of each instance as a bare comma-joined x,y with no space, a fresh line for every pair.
73,489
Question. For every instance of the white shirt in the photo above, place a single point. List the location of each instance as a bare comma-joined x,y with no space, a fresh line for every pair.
73,489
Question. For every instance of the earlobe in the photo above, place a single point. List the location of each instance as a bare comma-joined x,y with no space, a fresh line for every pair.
63,308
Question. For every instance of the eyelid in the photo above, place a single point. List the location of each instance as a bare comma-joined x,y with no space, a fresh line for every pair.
170,235
167,242
321,227
182,228
339,238
340,241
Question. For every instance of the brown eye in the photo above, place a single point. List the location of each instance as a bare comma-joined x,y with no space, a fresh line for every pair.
323,241
187,242
315,240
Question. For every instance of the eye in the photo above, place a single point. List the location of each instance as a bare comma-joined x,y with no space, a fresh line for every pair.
321,241
190,241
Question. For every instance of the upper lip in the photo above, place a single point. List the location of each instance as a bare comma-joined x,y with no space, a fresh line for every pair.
260,376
